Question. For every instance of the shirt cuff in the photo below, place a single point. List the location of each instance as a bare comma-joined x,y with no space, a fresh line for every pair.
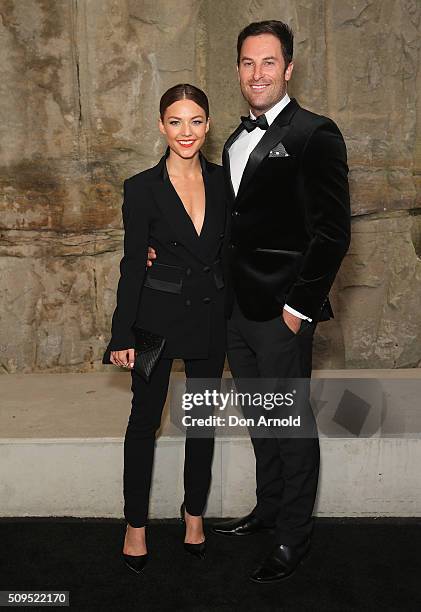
296,313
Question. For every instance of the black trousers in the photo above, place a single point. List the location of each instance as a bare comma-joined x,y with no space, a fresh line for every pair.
286,467
144,420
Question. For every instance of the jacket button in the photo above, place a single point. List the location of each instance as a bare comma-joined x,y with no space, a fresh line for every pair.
206,269
206,300
174,243
188,272
187,302
235,213
221,236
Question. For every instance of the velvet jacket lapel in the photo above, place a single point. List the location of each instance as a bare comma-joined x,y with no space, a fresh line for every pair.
172,208
277,131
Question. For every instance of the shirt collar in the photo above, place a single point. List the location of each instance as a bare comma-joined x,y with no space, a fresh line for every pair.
275,110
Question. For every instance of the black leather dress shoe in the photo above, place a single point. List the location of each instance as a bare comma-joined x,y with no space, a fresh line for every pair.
247,525
281,563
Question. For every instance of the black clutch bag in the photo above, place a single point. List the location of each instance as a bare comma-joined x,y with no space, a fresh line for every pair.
148,349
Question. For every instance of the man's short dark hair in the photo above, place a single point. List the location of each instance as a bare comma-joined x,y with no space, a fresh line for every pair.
281,30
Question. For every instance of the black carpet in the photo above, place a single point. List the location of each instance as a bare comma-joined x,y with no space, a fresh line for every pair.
353,565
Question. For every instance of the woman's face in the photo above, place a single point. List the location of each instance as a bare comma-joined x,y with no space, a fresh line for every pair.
185,127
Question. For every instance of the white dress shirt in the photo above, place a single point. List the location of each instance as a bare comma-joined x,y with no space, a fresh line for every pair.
239,153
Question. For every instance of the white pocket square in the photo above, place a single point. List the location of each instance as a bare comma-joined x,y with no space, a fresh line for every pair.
279,151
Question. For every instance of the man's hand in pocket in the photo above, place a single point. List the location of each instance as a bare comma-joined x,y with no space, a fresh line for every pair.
293,322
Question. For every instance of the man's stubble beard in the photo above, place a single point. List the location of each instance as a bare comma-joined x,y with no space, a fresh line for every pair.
270,104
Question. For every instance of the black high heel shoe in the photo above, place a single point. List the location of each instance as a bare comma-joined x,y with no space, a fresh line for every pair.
197,550
135,562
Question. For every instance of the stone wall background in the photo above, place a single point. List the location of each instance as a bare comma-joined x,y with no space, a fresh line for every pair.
80,84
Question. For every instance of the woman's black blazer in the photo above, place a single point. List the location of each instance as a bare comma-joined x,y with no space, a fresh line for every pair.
183,291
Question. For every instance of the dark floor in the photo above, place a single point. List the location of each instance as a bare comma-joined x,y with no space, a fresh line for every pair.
353,565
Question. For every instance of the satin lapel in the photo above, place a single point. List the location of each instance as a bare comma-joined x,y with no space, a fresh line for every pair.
271,137
226,159
276,132
172,210
214,224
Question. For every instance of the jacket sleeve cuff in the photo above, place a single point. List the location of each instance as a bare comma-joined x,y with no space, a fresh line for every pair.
301,299
122,341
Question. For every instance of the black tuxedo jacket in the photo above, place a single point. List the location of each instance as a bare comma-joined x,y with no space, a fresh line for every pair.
290,225
174,297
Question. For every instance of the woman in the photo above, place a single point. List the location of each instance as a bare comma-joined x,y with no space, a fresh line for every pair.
177,207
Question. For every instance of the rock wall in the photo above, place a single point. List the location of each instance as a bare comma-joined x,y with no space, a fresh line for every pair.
80,87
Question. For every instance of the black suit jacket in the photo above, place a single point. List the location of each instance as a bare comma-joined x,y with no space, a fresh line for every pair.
290,225
175,297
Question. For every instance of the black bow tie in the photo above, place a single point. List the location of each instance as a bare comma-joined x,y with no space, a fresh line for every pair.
249,124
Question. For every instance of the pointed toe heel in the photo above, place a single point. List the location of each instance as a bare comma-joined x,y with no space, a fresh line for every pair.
197,550
135,562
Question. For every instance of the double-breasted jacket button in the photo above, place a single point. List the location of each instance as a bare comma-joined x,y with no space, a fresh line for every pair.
206,300
206,269
235,213
187,302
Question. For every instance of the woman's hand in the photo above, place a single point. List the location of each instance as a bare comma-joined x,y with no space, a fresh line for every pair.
123,358
151,256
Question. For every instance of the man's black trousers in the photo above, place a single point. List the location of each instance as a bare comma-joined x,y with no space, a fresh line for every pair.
286,467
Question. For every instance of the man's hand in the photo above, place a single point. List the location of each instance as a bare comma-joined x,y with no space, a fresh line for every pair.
293,322
151,256
123,358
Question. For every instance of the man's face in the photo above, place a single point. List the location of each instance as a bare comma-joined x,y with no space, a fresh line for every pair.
262,73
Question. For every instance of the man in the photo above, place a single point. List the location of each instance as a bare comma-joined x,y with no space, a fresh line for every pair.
287,173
